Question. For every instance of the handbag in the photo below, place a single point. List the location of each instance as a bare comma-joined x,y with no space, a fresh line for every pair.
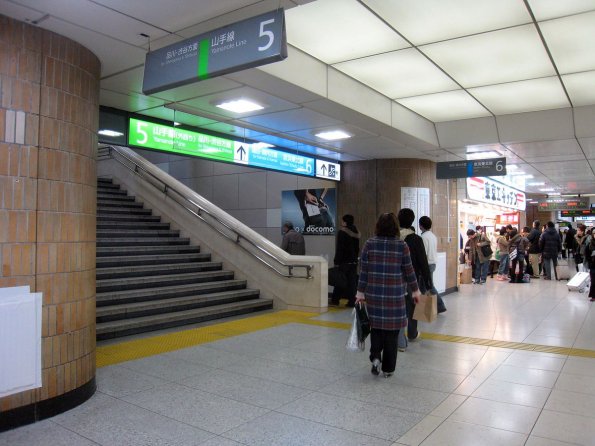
337,277
486,250
353,344
426,310
363,322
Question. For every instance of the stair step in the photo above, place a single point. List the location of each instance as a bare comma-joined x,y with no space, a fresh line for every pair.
142,241
123,225
114,218
119,204
128,296
156,270
139,309
111,190
111,251
116,196
155,259
107,330
137,283
137,233
122,211
106,182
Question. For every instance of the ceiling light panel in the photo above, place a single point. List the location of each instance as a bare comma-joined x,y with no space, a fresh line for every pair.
339,30
546,148
588,146
448,106
580,87
523,96
551,9
495,57
433,20
399,74
571,41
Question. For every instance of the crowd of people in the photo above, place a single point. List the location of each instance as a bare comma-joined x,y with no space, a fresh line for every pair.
531,253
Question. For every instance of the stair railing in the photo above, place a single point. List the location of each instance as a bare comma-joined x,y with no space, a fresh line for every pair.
271,260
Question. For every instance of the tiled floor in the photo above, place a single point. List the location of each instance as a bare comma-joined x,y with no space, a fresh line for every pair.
297,385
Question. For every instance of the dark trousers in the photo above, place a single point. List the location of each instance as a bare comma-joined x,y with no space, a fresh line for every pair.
411,323
592,289
347,292
514,276
383,346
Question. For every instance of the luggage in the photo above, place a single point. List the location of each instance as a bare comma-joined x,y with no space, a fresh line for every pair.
562,272
580,282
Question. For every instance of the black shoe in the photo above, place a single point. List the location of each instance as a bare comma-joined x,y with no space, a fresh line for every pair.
376,367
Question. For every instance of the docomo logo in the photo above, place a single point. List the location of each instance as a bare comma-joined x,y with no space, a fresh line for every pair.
319,230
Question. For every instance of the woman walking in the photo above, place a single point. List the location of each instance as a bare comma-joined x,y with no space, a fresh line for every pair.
385,272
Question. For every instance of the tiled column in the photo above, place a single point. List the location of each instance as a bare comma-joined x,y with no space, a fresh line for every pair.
49,88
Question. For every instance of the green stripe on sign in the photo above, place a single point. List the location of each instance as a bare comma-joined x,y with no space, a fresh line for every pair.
203,59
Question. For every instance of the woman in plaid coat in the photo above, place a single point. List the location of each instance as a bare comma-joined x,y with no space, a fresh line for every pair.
385,272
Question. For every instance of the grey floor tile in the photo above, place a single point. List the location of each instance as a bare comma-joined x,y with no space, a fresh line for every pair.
206,411
290,374
240,345
453,433
571,402
572,428
522,375
220,441
538,441
165,367
279,429
579,366
257,391
418,433
43,433
507,392
113,422
533,360
425,379
510,417
119,381
366,418
576,383
368,389
208,357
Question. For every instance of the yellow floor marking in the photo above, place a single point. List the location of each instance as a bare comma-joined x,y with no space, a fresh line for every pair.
141,348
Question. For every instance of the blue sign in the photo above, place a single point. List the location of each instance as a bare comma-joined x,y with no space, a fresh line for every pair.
277,160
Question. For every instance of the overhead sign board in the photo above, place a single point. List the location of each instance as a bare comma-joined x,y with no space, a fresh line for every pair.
490,167
578,213
560,204
250,43
150,135
328,170
487,190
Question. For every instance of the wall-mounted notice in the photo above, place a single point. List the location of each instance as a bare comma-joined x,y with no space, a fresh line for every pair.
250,43
150,135
418,200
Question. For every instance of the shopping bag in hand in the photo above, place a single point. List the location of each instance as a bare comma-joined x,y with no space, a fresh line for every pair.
426,310
363,321
353,344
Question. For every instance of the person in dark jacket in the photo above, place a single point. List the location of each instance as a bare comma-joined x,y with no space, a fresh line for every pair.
517,246
419,259
293,242
385,275
534,250
346,255
550,245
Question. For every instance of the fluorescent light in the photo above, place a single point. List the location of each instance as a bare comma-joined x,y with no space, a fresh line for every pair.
262,145
481,155
517,172
580,87
512,167
554,193
176,124
240,106
446,106
106,132
537,183
333,135
547,189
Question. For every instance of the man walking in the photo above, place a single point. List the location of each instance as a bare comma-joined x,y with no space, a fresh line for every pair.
431,244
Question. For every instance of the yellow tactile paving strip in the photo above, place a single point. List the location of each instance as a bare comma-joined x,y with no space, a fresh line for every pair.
141,348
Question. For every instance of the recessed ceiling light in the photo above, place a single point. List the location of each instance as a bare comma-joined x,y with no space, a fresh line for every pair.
536,183
262,145
547,189
333,135
176,124
518,173
554,193
107,132
481,155
240,106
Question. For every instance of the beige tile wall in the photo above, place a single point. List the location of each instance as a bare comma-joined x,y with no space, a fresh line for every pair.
49,88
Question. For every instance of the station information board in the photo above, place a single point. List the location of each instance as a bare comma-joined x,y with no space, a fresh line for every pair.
489,167
150,135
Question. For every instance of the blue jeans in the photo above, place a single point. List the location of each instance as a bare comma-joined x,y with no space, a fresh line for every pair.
504,266
481,271
547,266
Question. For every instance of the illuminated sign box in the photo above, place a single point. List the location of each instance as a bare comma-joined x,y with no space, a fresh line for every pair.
487,190
562,204
149,135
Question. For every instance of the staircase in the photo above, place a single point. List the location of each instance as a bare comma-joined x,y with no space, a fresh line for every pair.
150,278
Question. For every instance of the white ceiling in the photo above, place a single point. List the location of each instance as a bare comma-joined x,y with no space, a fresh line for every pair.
430,79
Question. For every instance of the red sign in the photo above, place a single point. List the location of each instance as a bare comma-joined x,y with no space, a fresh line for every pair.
512,218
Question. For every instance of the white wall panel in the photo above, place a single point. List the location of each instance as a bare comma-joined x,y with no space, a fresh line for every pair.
466,132
536,126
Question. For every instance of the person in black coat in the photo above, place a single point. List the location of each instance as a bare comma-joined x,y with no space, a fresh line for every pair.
346,256
534,251
550,245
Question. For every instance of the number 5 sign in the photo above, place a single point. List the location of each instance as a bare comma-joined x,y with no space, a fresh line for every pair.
249,43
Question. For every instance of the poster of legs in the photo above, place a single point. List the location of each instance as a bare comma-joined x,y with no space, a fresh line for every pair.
312,211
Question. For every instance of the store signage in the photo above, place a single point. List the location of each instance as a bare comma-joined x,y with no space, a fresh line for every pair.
490,167
512,218
490,191
328,170
560,204
250,43
577,213
149,135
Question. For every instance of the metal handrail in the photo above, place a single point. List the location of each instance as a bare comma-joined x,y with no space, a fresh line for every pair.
107,152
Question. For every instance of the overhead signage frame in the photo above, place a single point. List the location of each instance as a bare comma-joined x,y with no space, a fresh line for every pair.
489,167
487,190
246,44
150,135
563,204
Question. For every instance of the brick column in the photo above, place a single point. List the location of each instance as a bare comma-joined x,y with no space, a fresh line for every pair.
49,106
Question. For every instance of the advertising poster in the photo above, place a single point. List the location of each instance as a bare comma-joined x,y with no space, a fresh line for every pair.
312,211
